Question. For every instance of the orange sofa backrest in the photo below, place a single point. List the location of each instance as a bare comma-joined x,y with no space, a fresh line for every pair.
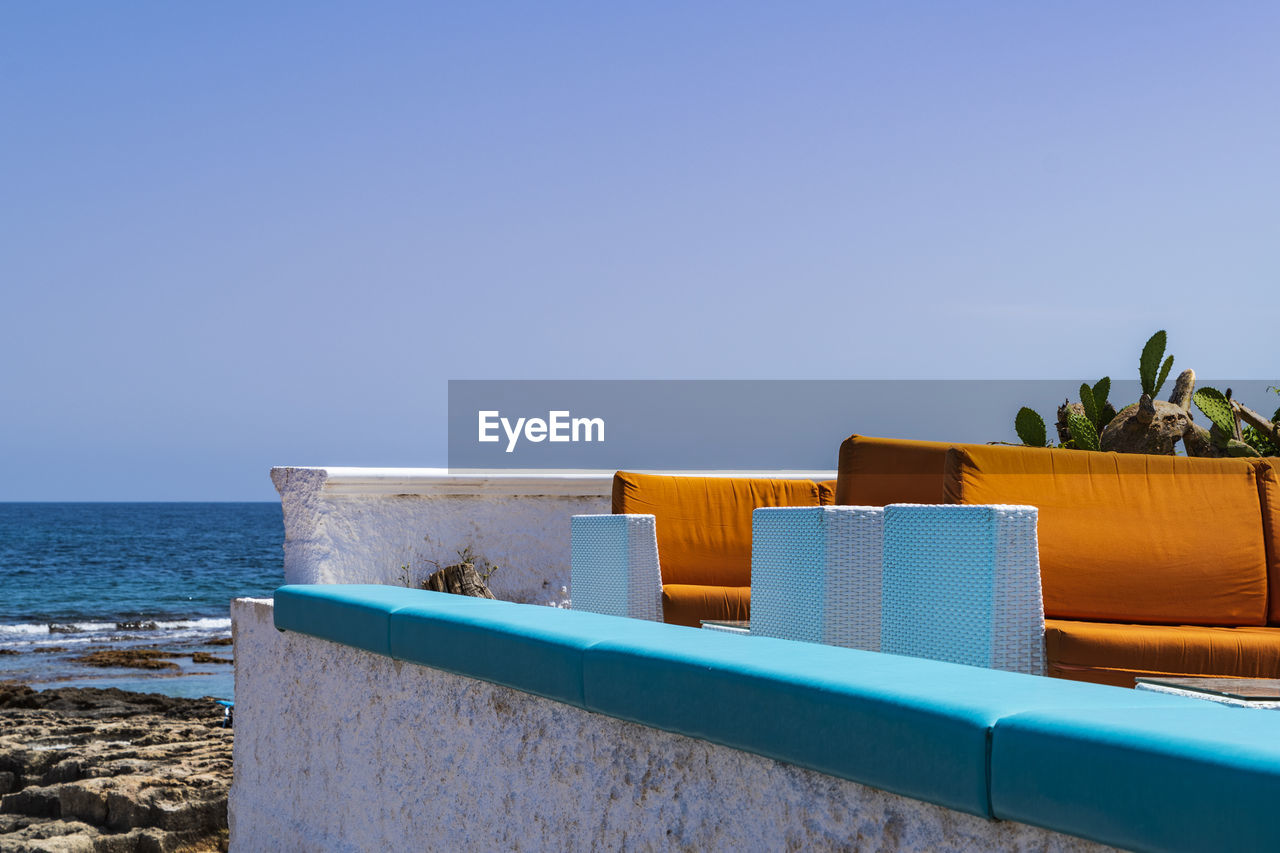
883,471
1128,537
1269,491
704,523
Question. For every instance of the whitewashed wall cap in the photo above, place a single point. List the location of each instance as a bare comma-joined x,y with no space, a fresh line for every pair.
444,481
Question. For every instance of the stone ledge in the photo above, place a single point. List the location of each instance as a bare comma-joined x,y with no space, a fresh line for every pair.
340,481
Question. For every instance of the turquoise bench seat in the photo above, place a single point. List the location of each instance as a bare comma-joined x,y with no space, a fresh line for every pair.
920,728
910,726
510,644
515,645
1203,777
356,615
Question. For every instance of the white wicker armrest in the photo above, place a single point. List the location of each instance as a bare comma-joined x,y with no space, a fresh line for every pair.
962,584
815,574
614,566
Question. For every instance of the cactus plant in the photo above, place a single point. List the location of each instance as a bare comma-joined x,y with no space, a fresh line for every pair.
1260,441
1255,432
1030,428
1083,433
1217,409
1164,374
1101,389
1149,362
1156,426
1090,407
1106,411
1239,448
1150,371
1094,402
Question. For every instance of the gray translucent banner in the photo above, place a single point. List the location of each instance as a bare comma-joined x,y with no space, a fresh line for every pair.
747,424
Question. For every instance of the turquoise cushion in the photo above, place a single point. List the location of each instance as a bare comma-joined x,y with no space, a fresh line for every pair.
1204,777
534,649
907,725
352,614
914,727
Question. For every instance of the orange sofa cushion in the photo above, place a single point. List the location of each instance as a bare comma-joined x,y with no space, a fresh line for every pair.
1108,653
1131,538
1269,491
704,523
883,471
826,492
688,604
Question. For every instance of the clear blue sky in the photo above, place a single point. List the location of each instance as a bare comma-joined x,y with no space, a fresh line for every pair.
239,235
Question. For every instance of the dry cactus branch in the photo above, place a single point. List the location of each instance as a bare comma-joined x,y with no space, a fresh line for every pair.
1197,441
1183,388
1146,410
459,579
1256,420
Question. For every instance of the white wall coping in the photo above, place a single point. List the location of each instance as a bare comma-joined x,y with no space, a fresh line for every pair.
498,481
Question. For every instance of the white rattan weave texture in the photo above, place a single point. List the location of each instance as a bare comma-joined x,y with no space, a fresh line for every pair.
614,566
1018,638
815,574
962,584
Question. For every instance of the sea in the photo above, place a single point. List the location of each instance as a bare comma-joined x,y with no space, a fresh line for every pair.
79,581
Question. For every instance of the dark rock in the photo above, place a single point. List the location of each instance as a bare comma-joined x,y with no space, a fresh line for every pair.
32,802
134,658
205,657
67,770
106,702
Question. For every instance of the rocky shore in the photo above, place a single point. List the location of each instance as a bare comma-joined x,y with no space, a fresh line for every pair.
92,769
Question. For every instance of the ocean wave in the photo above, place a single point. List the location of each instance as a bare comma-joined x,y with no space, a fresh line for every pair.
211,623
23,631
77,627
27,631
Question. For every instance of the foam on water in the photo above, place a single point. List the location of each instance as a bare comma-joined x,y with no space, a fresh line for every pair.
13,635
22,632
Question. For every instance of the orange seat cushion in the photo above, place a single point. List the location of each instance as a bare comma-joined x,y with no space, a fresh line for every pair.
1108,653
1269,491
827,492
704,523
883,471
1131,538
688,604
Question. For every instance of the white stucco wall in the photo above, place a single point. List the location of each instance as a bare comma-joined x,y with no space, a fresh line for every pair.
361,525
349,525
341,749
